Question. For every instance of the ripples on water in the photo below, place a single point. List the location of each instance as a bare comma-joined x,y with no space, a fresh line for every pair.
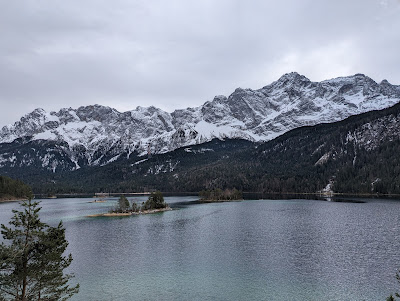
250,250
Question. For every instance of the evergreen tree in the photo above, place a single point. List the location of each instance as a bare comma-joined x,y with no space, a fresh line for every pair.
123,203
391,298
155,201
32,264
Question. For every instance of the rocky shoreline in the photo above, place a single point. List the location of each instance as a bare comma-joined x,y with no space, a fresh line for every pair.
204,201
116,214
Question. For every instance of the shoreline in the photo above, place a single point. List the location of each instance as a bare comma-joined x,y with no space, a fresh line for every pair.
6,200
116,214
333,194
206,201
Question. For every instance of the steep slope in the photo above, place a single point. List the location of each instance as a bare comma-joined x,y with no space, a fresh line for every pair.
360,154
97,135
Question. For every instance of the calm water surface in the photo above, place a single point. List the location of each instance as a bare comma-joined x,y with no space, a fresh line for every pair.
250,250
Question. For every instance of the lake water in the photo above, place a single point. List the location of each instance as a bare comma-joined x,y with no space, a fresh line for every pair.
250,250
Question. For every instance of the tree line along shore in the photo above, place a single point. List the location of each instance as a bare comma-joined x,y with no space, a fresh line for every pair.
11,189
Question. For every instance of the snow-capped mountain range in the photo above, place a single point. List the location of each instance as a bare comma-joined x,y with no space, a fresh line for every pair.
97,135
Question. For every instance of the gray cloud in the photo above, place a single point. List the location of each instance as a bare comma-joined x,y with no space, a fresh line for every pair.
180,53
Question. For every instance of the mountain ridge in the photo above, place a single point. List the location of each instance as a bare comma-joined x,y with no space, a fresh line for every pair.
97,135
360,154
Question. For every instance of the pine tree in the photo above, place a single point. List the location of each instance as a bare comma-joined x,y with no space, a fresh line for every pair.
123,203
32,263
391,298
155,201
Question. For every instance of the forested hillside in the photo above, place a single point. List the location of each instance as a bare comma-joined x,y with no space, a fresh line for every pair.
13,189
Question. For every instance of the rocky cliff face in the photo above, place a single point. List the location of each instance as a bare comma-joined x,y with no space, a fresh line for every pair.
98,135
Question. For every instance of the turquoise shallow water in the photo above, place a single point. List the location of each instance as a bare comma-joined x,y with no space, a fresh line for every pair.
250,250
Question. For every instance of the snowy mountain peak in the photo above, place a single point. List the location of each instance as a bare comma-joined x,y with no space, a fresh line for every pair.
220,98
293,76
96,134
288,81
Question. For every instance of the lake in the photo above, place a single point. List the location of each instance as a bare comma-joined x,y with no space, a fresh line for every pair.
249,250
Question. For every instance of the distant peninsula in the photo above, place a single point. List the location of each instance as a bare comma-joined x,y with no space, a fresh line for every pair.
219,195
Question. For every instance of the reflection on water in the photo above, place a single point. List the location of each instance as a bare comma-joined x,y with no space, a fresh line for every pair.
250,250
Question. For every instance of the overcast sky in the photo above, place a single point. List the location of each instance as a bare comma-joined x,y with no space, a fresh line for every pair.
180,53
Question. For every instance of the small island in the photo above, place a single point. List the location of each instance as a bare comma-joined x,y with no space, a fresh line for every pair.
155,203
219,195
